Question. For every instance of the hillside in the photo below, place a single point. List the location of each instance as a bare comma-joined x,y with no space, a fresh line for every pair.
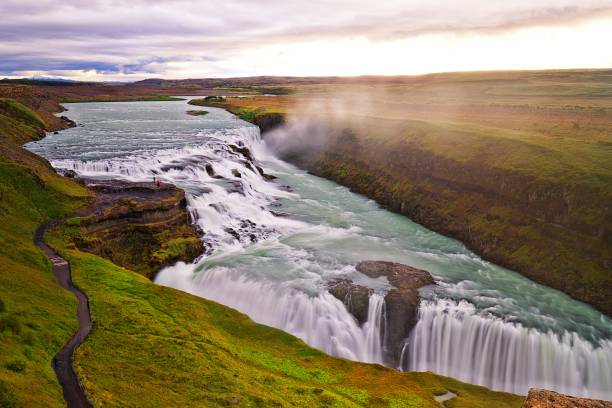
151,343
517,165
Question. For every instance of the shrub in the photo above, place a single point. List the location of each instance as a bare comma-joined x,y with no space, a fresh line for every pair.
214,98
16,366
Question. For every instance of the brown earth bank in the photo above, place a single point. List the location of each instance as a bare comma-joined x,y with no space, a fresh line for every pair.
140,226
401,301
538,398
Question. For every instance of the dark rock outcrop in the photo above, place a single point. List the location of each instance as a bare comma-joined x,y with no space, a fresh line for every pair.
401,302
140,226
538,398
269,121
68,122
356,298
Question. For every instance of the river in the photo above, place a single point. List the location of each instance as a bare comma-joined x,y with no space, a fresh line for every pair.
273,246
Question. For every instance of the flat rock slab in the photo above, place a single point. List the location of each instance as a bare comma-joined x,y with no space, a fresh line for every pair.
538,398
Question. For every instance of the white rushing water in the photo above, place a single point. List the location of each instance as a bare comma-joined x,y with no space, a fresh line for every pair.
274,246
450,338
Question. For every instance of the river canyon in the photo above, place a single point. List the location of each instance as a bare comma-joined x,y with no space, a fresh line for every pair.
276,238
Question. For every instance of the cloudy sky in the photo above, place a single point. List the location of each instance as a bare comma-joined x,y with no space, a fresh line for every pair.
131,40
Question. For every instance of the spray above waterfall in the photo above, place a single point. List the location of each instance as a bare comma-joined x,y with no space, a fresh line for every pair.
274,248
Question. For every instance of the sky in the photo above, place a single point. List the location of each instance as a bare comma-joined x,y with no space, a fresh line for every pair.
114,40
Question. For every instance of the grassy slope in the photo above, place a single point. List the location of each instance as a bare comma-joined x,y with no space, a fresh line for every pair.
152,343
516,165
38,315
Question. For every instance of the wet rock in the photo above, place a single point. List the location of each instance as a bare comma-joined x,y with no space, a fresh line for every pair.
209,170
243,151
247,165
68,173
538,398
233,233
236,187
202,190
236,173
247,224
220,208
267,177
169,167
69,122
401,302
56,133
356,298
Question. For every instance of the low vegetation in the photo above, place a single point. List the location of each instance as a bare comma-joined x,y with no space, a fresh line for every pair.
197,112
37,316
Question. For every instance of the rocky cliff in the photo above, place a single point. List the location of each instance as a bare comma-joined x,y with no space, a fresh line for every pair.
401,302
538,398
140,226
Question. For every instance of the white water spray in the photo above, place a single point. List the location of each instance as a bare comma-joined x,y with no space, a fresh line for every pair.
451,339
320,320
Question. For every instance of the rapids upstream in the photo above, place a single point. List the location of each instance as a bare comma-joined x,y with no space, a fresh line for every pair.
273,246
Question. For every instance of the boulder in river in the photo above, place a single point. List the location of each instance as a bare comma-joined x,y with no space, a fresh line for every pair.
401,302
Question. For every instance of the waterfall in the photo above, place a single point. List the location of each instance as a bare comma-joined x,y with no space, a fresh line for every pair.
451,339
320,320
273,249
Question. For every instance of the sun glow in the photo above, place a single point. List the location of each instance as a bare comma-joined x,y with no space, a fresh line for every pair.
528,48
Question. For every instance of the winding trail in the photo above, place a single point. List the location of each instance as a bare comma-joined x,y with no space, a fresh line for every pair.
62,362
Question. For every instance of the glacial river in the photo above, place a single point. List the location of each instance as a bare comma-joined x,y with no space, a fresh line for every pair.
273,246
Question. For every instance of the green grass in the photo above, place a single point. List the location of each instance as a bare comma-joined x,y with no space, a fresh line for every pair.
38,315
21,113
174,249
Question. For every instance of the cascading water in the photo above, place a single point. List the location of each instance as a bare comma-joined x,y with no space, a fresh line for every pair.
320,320
273,249
450,338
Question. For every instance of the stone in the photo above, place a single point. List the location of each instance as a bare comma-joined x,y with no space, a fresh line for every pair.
401,302
538,398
